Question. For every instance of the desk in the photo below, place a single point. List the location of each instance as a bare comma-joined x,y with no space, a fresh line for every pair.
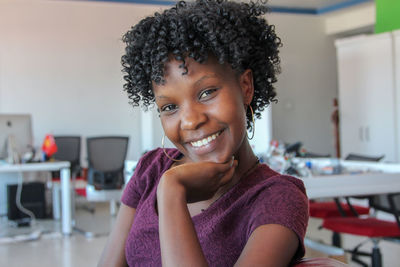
384,179
328,186
63,167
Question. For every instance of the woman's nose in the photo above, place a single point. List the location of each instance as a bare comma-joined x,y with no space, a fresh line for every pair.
193,116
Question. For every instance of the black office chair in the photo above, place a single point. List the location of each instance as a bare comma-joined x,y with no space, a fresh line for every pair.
359,157
297,151
314,155
106,158
68,149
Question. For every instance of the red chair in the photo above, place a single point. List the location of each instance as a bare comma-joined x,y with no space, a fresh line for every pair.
333,209
375,229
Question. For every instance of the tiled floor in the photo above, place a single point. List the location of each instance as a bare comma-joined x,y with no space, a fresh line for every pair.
51,249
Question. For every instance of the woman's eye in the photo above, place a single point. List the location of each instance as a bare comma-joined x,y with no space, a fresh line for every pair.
169,107
207,93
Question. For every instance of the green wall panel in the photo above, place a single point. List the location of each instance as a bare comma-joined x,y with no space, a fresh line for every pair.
387,15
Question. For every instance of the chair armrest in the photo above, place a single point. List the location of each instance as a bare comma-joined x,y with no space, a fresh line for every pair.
318,262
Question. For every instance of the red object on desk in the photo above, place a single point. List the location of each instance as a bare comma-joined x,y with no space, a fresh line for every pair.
49,146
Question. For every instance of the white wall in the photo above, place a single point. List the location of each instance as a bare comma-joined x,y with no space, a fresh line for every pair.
60,61
307,85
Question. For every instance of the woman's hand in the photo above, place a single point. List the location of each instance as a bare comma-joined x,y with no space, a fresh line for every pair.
190,182
199,180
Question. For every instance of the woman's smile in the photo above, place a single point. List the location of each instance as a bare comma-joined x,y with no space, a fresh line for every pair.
205,141
206,145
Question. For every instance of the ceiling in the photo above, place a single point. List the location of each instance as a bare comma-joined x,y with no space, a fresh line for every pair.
315,7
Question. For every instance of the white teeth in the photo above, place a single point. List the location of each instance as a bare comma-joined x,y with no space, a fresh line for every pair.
204,141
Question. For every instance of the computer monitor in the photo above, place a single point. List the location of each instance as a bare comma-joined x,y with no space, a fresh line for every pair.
19,127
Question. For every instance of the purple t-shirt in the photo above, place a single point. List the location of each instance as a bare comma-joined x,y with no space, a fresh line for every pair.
263,197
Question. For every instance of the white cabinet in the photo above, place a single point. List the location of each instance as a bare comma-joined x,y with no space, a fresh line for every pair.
368,99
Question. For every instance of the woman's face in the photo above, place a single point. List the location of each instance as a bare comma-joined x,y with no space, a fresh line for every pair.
203,112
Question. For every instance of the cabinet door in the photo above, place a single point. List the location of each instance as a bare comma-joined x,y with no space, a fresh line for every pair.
366,95
396,42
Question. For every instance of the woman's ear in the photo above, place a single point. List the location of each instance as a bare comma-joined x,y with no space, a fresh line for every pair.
247,86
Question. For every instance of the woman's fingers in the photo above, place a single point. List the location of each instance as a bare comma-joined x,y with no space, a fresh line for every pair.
202,179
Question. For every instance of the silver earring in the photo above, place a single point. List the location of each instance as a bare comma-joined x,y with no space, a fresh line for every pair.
253,127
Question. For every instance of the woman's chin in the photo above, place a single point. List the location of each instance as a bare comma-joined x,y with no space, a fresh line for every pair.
220,158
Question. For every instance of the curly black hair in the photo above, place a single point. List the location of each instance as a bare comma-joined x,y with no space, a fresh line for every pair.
232,32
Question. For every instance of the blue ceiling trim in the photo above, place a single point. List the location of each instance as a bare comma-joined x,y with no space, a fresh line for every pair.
149,2
278,9
341,5
282,9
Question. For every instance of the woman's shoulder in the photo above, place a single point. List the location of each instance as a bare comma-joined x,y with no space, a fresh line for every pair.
147,174
267,178
278,199
156,159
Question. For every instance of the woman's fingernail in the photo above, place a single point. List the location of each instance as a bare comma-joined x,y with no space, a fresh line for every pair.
232,161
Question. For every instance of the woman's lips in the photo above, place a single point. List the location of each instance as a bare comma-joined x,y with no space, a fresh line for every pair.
205,141
207,144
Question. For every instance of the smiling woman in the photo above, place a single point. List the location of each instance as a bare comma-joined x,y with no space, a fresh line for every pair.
210,67
199,110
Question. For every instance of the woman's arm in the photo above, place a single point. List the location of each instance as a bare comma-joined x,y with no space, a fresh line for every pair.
178,186
178,239
114,251
269,245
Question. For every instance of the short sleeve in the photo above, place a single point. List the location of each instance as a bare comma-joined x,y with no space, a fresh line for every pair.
282,201
138,183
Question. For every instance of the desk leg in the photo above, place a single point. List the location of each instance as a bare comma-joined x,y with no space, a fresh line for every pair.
66,201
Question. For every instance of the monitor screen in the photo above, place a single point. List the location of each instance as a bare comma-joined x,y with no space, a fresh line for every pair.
19,128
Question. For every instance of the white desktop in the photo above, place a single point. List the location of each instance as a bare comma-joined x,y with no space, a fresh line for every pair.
15,136
16,140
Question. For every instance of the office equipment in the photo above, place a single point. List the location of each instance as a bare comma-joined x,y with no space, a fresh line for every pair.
32,198
15,136
63,166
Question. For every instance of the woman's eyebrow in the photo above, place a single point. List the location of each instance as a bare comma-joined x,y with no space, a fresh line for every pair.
207,76
162,97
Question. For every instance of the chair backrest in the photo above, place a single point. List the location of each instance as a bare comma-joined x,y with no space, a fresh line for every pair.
389,203
314,155
359,157
107,153
106,158
69,149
